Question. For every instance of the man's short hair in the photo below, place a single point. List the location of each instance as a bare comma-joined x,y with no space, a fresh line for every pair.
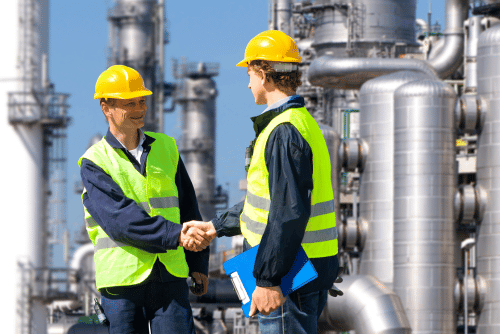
109,101
285,81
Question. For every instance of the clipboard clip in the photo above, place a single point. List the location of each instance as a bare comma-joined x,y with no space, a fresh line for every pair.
239,288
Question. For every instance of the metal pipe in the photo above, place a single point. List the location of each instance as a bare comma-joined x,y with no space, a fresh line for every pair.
449,59
350,73
283,16
367,307
423,25
77,262
473,29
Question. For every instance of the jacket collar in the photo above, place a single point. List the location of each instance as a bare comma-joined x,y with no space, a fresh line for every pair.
115,143
260,122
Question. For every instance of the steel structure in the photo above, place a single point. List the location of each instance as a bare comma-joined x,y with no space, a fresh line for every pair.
34,124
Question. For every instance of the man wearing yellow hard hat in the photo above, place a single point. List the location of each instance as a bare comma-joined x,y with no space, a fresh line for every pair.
137,195
289,200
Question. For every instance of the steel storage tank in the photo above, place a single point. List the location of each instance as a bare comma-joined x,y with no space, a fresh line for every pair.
365,22
488,177
376,99
424,188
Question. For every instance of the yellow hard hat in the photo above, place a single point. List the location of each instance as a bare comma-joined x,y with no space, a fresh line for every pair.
271,45
120,82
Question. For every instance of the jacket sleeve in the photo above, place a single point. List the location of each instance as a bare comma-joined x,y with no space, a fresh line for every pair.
121,218
227,224
188,206
289,162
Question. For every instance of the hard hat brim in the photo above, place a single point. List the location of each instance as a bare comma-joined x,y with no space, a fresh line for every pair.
246,61
123,96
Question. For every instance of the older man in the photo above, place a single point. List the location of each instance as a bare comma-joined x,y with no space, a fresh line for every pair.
137,196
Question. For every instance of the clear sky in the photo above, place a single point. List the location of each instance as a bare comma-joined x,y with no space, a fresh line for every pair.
210,31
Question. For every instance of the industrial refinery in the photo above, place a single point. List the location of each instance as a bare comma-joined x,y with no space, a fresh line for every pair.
410,111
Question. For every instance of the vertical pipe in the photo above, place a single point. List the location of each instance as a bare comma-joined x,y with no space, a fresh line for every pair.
473,29
284,16
488,172
424,188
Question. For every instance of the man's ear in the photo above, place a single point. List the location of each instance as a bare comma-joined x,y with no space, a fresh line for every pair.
263,76
105,108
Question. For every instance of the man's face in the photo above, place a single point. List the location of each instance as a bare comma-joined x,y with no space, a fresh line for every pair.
127,114
256,84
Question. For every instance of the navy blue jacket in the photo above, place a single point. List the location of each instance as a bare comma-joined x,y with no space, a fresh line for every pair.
289,162
125,221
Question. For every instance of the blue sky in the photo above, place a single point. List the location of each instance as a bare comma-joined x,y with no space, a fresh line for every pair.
211,31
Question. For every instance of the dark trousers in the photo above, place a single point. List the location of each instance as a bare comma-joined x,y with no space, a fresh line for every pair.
165,305
298,315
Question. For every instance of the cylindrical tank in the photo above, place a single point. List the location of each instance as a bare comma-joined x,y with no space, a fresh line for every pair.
424,188
22,186
132,22
488,178
376,191
198,137
364,21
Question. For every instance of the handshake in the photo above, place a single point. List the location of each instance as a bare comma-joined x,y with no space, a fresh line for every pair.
196,236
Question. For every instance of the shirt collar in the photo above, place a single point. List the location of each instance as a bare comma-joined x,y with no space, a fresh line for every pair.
261,121
279,103
144,140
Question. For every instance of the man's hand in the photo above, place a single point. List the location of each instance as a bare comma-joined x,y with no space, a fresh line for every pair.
201,281
193,238
207,228
266,300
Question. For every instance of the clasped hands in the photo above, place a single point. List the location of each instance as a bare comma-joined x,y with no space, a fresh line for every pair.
196,235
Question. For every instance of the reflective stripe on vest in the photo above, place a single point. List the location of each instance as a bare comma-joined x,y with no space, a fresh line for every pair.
107,242
317,209
309,236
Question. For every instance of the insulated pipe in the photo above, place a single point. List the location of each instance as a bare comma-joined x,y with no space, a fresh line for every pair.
367,307
350,73
449,59
424,189
77,262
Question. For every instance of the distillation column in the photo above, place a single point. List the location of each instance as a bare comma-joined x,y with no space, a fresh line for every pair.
135,27
488,173
197,95
424,188
376,190
22,187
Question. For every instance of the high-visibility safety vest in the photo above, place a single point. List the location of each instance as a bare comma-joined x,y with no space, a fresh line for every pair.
320,238
119,264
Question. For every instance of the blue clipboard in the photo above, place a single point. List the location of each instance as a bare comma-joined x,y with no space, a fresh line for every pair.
240,269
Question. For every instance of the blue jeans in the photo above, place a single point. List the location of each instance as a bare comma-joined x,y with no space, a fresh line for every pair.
166,305
299,314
